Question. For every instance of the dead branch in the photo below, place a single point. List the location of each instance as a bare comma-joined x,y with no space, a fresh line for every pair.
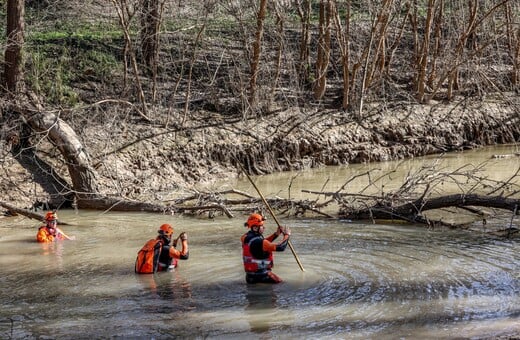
423,190
27,213
412,211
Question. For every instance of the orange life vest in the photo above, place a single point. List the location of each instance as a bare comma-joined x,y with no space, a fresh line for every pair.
147,261
255,259
44,236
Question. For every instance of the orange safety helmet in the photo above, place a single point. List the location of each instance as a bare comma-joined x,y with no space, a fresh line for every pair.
254,220
166,230
51,216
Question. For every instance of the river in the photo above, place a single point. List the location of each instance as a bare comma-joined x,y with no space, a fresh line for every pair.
361,280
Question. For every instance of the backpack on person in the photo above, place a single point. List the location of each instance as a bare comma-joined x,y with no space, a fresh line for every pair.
147,261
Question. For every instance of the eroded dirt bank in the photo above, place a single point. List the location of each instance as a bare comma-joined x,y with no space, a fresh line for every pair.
152,163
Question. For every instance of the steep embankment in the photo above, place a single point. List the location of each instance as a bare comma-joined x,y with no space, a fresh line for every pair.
138,161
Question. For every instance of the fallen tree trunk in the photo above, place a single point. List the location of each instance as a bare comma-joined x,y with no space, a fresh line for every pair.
82,175
46,124
413,211
27,213
83,192
114,204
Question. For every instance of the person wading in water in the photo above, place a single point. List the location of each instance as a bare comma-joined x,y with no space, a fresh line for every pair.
158,255
50,231
257,251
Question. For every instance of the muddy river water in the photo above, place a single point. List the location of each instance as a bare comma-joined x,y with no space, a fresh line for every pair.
361,280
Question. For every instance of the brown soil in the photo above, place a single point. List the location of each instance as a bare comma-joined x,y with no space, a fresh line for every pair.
156,163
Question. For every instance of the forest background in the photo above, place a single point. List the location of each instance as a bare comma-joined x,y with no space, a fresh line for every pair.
131,104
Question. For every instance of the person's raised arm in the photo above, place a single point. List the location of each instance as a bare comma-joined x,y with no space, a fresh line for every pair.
65,236
183,254
280,246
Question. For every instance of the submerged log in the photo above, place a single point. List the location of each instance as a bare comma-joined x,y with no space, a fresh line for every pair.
413,211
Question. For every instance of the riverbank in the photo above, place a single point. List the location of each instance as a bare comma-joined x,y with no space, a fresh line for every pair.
138,161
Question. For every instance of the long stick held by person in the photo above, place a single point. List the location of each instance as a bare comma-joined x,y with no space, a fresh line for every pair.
257,251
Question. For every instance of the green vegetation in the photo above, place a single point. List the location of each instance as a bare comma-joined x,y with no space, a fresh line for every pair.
56,59
66,47
50,77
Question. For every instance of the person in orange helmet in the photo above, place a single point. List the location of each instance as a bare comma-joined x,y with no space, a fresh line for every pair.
158,255
50,231
257,251
170,255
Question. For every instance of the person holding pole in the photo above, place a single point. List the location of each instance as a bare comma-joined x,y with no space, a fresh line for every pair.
257,251
272,214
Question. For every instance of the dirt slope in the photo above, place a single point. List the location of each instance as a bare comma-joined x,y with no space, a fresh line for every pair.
152,163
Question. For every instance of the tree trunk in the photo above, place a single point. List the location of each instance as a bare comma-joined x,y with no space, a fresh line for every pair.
150,20
323,54
124,19
424,53
15,41
412,211
304,12
343,37
257,50
82,175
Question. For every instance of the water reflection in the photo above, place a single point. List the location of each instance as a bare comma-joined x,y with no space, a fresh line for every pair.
55,252
360,281
167,286
261,302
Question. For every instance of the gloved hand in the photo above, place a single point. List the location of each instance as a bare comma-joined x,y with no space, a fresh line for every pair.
284,230
183,236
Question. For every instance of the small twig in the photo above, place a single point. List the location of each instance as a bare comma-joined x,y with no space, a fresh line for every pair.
511,222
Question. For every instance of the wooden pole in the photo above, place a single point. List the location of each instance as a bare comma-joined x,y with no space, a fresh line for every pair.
272,214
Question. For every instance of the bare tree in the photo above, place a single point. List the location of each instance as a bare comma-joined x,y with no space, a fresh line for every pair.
466,51
304,11
257,51
513,41
151,17
15,41
125,14
323,53
280,22
343,34
192,63
151,20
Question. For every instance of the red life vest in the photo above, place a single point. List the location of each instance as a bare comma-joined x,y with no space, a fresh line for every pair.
256,260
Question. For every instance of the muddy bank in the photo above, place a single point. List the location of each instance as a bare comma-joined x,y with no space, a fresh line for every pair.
157,163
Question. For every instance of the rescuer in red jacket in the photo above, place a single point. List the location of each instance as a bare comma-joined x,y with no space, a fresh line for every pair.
257,251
